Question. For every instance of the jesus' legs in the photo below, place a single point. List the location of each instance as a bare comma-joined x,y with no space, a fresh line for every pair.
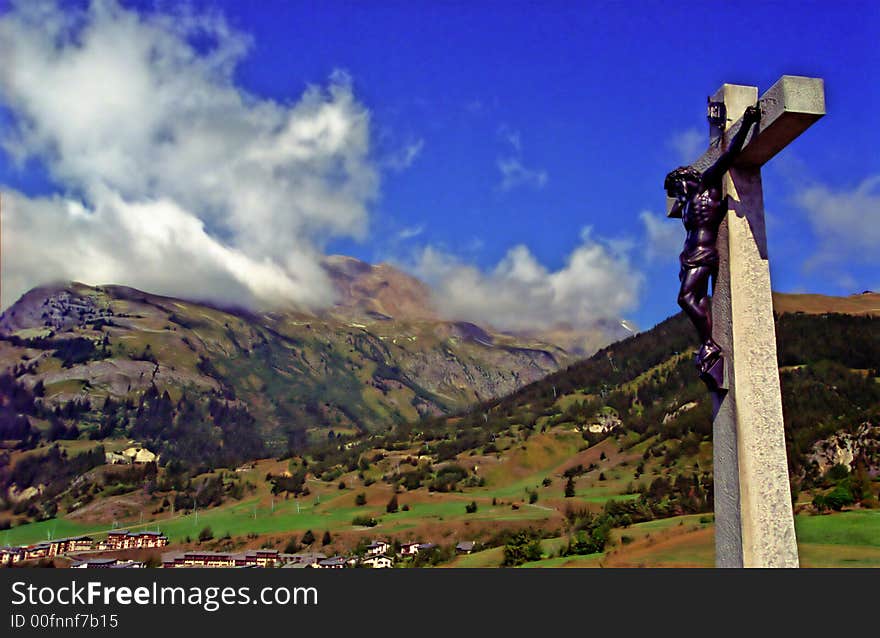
694,300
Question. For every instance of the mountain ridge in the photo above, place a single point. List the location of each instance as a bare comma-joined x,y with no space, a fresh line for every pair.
299,374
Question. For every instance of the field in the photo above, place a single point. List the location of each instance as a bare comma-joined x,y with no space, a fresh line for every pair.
867,303
521,486
845,539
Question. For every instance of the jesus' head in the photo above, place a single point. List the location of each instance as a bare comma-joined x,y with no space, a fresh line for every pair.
680,182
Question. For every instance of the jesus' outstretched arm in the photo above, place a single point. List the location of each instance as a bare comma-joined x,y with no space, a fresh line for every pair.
712,174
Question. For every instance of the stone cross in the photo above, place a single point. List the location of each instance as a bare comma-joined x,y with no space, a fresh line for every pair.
754,523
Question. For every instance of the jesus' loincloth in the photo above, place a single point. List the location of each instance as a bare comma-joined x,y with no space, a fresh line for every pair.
701,256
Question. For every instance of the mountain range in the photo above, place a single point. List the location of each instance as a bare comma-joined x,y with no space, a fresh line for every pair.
380,356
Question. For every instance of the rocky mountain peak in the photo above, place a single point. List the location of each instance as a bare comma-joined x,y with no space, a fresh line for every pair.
377,291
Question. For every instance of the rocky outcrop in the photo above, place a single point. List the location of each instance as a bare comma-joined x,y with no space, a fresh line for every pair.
843,448
56,307
671,416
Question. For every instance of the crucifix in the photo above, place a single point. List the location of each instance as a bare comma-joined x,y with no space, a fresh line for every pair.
720,200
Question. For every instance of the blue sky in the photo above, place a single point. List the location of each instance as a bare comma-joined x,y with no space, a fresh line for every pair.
496,125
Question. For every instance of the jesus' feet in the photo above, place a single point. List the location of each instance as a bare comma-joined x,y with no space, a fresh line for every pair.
709,353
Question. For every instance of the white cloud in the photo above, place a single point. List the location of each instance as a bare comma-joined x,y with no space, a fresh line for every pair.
152,245
688,145
846,223
664,237
404,157
514,174
410,232
597,283
511,137
166,165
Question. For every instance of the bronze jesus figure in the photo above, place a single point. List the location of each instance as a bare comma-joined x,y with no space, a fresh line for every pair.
701,205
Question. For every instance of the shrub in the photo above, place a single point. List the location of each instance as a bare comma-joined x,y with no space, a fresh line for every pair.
364,521
360,499
838,472
569,487
471,507
839,497
523,547
206,534
292,546
447,477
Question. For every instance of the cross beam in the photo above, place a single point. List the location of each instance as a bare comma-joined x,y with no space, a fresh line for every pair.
754,523
788,108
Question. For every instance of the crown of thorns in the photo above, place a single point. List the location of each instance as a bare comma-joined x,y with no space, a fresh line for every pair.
687,173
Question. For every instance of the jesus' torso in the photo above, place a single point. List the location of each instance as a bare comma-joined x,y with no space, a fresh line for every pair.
702,216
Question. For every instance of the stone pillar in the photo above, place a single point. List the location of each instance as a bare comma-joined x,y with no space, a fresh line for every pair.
754,520
728,525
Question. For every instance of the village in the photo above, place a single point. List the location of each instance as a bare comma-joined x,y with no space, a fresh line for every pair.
379,554
78,545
